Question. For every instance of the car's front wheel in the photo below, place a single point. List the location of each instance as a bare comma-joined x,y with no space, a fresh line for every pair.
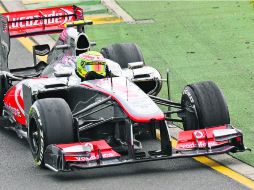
50,122
204,106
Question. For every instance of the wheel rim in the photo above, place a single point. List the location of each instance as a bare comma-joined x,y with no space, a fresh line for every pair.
35,141
34,137
190,120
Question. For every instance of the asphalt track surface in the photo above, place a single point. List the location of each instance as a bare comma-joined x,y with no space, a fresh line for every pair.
18,170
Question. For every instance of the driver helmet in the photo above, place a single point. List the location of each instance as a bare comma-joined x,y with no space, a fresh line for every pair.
91,62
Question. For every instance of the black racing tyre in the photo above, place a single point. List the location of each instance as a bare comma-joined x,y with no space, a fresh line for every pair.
1,100
50,122
3,90
123,53
204,106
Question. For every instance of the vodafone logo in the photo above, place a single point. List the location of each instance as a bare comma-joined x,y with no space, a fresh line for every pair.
200,145
198,134
53,17
89,145
86,158
93,157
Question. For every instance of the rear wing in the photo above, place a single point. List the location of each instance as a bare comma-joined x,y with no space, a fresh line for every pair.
41,21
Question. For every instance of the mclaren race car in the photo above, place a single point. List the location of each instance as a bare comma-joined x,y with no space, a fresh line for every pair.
81,124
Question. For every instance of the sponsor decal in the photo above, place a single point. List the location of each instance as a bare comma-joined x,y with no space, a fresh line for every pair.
189,95
85,158
90,145
13,110
93,157
198,134
107,155
194,145
54,17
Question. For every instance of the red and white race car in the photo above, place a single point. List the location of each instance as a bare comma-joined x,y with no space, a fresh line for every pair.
71,123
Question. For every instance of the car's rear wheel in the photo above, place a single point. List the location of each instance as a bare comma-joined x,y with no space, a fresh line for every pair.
3,90
123,53
50,122
204,106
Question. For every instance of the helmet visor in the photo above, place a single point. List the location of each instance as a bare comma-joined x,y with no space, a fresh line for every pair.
96,67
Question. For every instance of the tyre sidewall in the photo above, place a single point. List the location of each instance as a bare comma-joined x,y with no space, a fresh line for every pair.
190,119
38,118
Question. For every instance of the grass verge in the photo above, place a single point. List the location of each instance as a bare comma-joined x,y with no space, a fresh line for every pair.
197,41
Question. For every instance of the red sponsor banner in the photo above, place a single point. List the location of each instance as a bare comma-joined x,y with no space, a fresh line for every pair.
41,21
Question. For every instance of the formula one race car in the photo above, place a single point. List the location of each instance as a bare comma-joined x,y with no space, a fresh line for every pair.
111,121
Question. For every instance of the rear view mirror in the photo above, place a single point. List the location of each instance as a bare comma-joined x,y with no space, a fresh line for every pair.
41,50
92,43
62,73
136,65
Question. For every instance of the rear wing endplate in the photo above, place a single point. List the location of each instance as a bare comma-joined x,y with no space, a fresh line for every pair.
5,43
41,21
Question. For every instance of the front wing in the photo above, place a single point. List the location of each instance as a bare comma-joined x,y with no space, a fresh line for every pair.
96,154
